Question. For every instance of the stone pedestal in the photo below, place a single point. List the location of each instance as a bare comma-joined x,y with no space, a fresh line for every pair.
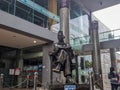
78,87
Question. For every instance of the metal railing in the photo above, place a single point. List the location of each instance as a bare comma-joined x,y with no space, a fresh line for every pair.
37,85
78,42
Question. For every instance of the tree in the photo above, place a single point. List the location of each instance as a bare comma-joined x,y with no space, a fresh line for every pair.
88,64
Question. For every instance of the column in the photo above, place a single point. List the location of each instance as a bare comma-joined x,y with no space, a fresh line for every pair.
19,58
46,70
53,9
64,19
113,58
96,55
64,25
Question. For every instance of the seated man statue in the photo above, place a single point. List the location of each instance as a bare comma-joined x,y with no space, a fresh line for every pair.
62,58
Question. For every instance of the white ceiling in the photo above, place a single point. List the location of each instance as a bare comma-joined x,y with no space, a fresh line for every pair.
15,40
94,5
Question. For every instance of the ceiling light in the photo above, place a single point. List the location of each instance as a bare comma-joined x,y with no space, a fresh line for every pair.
34,41
101,3
13,36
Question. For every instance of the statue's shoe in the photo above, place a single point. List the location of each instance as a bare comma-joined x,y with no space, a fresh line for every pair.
69,80
57,69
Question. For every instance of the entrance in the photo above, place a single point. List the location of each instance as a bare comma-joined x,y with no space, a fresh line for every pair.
10,59
30,67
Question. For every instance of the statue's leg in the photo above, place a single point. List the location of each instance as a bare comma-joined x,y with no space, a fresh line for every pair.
62,56
57,69
68,71
60,60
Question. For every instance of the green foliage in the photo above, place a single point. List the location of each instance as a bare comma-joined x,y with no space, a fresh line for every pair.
88,64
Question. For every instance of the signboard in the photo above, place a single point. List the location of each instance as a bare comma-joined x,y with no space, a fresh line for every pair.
17,71
40,9
69,87
11,71
14,71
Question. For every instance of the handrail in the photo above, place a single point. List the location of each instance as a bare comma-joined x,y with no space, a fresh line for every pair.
99,33
77,42
110,31
101,39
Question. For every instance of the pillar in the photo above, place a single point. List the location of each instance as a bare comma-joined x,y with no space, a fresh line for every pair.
48,77
46,70
19,58
64,25
96,55
113,58
53,9
64,19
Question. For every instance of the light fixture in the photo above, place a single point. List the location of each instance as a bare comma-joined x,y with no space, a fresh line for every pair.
101,3
34,41
13,36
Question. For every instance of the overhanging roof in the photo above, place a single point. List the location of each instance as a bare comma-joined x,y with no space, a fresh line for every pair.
94,5
18,33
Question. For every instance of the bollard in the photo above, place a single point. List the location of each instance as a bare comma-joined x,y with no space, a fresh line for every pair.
91,81
27,85
1,80
35,80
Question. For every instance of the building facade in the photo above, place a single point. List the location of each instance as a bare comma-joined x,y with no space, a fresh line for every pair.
29,28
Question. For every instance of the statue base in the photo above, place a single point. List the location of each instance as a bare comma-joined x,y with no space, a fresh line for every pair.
70,87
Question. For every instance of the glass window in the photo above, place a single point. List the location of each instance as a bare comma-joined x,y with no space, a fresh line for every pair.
26,12
78,24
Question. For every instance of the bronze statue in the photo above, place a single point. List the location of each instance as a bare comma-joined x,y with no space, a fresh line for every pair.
62,58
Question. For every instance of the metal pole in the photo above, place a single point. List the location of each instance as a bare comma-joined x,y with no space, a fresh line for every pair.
27,81
51,76
96,56
90,29
113,58
77,77
14,7
35,80
91,81
64,19
1,80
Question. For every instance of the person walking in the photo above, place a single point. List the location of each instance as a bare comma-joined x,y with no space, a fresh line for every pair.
114,77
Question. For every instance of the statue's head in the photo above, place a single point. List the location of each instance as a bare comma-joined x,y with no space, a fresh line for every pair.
61,36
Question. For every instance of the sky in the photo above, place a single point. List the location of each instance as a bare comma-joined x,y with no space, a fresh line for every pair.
109,16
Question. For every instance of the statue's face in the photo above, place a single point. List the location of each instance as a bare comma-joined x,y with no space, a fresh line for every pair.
60,36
